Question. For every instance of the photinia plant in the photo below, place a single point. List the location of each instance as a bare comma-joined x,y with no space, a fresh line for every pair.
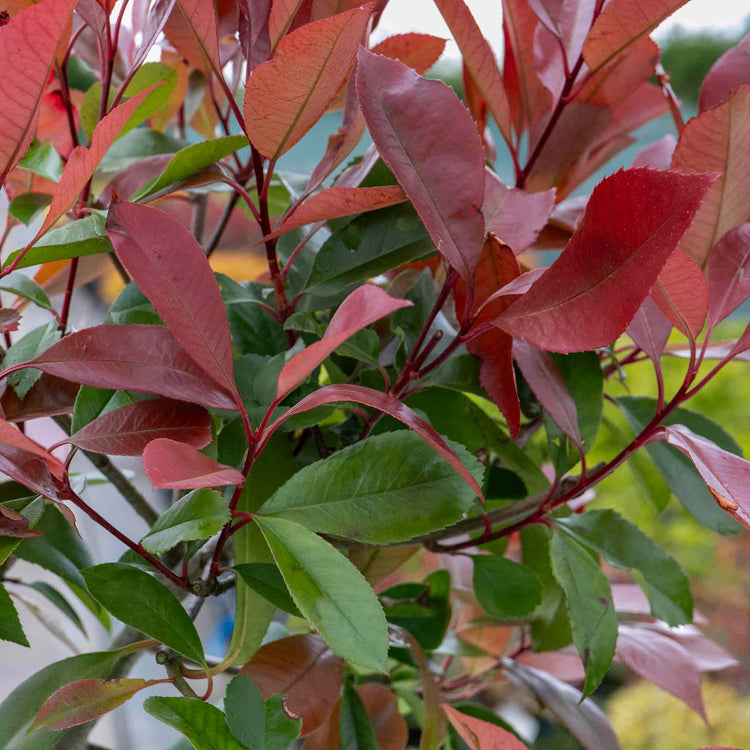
376,433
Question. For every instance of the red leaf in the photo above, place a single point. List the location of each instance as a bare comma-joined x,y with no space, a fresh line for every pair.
191,29
728,274
176,466
418,51
27,468
28,44
592,291
132,357
396,103
288,94
339,201
128,430
303,669
516,217
9,319
12,436
717,140
657,155
172,270
13,524
569,20
726,475
620,24
662,661
650,330
681,293
541,373
730,71
362,307
479,734
382,402
480,60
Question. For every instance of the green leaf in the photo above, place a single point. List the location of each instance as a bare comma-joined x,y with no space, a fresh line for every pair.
190,160
203,724
136,144
27,206
54,596
281,730
29,507
624,545
370,244
388,488
75,240
139,600
246,715
26,348
330,592
355,729
89,111
93,402
198,515
18,710
132,307
266,580
10,626
675,468
42,159
24,286
504,588
590,607
147,75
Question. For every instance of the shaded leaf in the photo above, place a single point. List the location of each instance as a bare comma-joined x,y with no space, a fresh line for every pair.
418,51
681,293
191,29
54,596
33,343
177,466
355,729
245,712
504,588
726,74
266,580
728,274
24,286
650,330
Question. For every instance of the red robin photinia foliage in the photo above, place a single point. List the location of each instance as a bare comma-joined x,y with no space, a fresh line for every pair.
376,409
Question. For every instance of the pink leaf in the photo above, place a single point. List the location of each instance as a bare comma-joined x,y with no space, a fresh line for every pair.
480,61
717,140
338,201
362,307
418,51
650,330
176,466
728,274
541,373
332,394
397,103
726,475
132,357
657,155
288,94
172,270
706,655
9,319
27,50
593,290
681,293
731,70
662,661
191,29
569,20
128,430
479,734
10,435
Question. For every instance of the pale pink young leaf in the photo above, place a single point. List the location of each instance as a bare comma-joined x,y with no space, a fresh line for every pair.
620,24
172,270
132,357
362,307
418,51
717,140
731,70
287,95
397,103
84,700
728,274
681,293
192,30
479,734
662,661
650,330
565,665
570,20
707,655
590,294
157,17
10,435
736,350
657,155
336,202
28,44
128,430
541,373
480,61
176,466
342,393
726,475
516,217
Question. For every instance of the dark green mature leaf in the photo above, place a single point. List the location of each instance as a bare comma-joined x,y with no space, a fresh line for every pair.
676,469
10,626
24,286
281,729
626,546
371,244
355,729
245,712
266,580
387,488
330,592
203,724
26,348
27,206
54,596
132,307
42,159
590,607
138,600
504,588
93,402
198,515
